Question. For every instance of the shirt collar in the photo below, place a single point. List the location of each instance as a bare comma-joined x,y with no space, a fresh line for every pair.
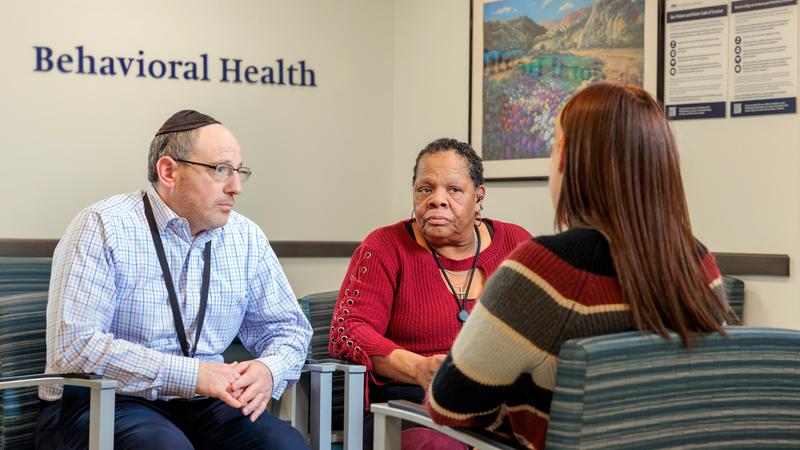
163,214
167,218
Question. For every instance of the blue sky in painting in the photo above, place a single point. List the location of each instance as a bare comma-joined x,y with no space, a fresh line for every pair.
538,10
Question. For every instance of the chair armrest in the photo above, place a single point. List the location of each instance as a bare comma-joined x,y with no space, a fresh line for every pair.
341,365
101,406
353,400
388,418
312,404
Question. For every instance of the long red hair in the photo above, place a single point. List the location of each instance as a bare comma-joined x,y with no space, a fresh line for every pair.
622,177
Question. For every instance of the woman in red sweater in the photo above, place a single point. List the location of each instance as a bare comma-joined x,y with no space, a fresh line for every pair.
411,285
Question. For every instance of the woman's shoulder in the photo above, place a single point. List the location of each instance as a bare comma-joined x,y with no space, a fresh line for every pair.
509,229
506,236
709,263
391,240
387,234
577,249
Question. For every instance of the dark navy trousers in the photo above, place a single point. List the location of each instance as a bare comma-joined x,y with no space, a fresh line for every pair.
206,423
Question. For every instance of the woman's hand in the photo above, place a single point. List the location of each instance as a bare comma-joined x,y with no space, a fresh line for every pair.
407,367
426,368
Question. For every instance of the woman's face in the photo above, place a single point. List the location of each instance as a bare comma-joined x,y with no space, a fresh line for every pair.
445,200
556,167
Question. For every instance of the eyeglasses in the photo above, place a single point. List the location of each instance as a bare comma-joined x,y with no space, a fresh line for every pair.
222,171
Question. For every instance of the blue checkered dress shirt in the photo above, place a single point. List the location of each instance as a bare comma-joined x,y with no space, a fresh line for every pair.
108,312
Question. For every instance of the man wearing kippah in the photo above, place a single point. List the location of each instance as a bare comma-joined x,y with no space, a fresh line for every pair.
149,288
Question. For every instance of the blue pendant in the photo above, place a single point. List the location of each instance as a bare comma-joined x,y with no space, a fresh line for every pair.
463,315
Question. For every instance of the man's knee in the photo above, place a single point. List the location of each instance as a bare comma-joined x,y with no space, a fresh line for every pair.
150,435
268,432
136,426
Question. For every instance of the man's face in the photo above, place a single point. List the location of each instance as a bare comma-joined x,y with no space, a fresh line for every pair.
203,200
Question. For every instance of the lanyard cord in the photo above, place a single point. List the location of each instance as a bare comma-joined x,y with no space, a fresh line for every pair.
460,302
177,319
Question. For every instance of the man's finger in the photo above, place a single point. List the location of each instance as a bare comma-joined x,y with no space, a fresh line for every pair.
243,381
250,393
254,404
226,397
241,367
260,410
236,394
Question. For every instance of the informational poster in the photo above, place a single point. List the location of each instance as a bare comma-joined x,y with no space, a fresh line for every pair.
763,57
696,53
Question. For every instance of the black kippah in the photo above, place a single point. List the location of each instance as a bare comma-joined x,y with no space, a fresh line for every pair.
186,120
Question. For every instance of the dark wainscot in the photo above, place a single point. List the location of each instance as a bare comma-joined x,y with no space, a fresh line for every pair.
729,263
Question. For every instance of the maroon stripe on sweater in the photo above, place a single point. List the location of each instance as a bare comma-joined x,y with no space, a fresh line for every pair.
591,290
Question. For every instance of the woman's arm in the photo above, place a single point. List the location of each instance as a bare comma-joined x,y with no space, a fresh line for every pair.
364,306
407,367
505,346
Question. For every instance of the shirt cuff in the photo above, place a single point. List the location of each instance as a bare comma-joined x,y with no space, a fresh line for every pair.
179,376
279,371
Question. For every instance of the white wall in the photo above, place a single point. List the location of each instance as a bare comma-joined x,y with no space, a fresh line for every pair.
317,153
332,162
741,175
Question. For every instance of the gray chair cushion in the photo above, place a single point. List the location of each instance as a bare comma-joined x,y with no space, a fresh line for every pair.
639,391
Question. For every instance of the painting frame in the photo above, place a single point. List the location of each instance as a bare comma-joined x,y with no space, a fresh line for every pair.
536,169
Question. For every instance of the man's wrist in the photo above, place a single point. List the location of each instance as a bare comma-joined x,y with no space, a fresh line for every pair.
269,371
278,371
179,375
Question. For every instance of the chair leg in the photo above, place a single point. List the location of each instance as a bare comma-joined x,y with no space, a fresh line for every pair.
301,393
353,411
101,418
321,411
387,432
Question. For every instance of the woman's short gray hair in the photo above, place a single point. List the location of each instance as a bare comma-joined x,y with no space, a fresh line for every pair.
177,145
474,162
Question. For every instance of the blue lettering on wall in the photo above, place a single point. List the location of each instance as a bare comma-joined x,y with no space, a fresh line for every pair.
232,70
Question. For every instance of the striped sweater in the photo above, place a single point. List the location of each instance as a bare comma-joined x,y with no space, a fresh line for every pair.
500,373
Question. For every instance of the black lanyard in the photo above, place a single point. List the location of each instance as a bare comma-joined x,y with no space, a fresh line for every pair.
173,298
462,310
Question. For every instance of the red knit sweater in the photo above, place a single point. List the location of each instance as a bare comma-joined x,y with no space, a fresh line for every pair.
393,295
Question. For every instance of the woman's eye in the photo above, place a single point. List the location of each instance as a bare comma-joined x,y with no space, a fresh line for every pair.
455,189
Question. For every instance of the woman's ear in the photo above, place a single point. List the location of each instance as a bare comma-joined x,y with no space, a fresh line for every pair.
560,149
480,193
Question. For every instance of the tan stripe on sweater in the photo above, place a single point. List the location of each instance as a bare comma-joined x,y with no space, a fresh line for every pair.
490,352
557,297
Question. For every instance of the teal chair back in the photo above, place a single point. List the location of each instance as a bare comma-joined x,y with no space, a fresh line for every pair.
23,302
632,391
734,293
319,308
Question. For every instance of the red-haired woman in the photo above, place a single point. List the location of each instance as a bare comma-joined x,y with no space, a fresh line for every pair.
625,259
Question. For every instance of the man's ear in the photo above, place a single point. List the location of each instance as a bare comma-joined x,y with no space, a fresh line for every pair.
165,167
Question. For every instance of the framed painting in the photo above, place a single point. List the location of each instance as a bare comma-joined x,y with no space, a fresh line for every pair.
527,57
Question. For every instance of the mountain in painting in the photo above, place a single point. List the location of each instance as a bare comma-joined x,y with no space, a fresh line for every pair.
518,33
606,24
614,24
568,20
